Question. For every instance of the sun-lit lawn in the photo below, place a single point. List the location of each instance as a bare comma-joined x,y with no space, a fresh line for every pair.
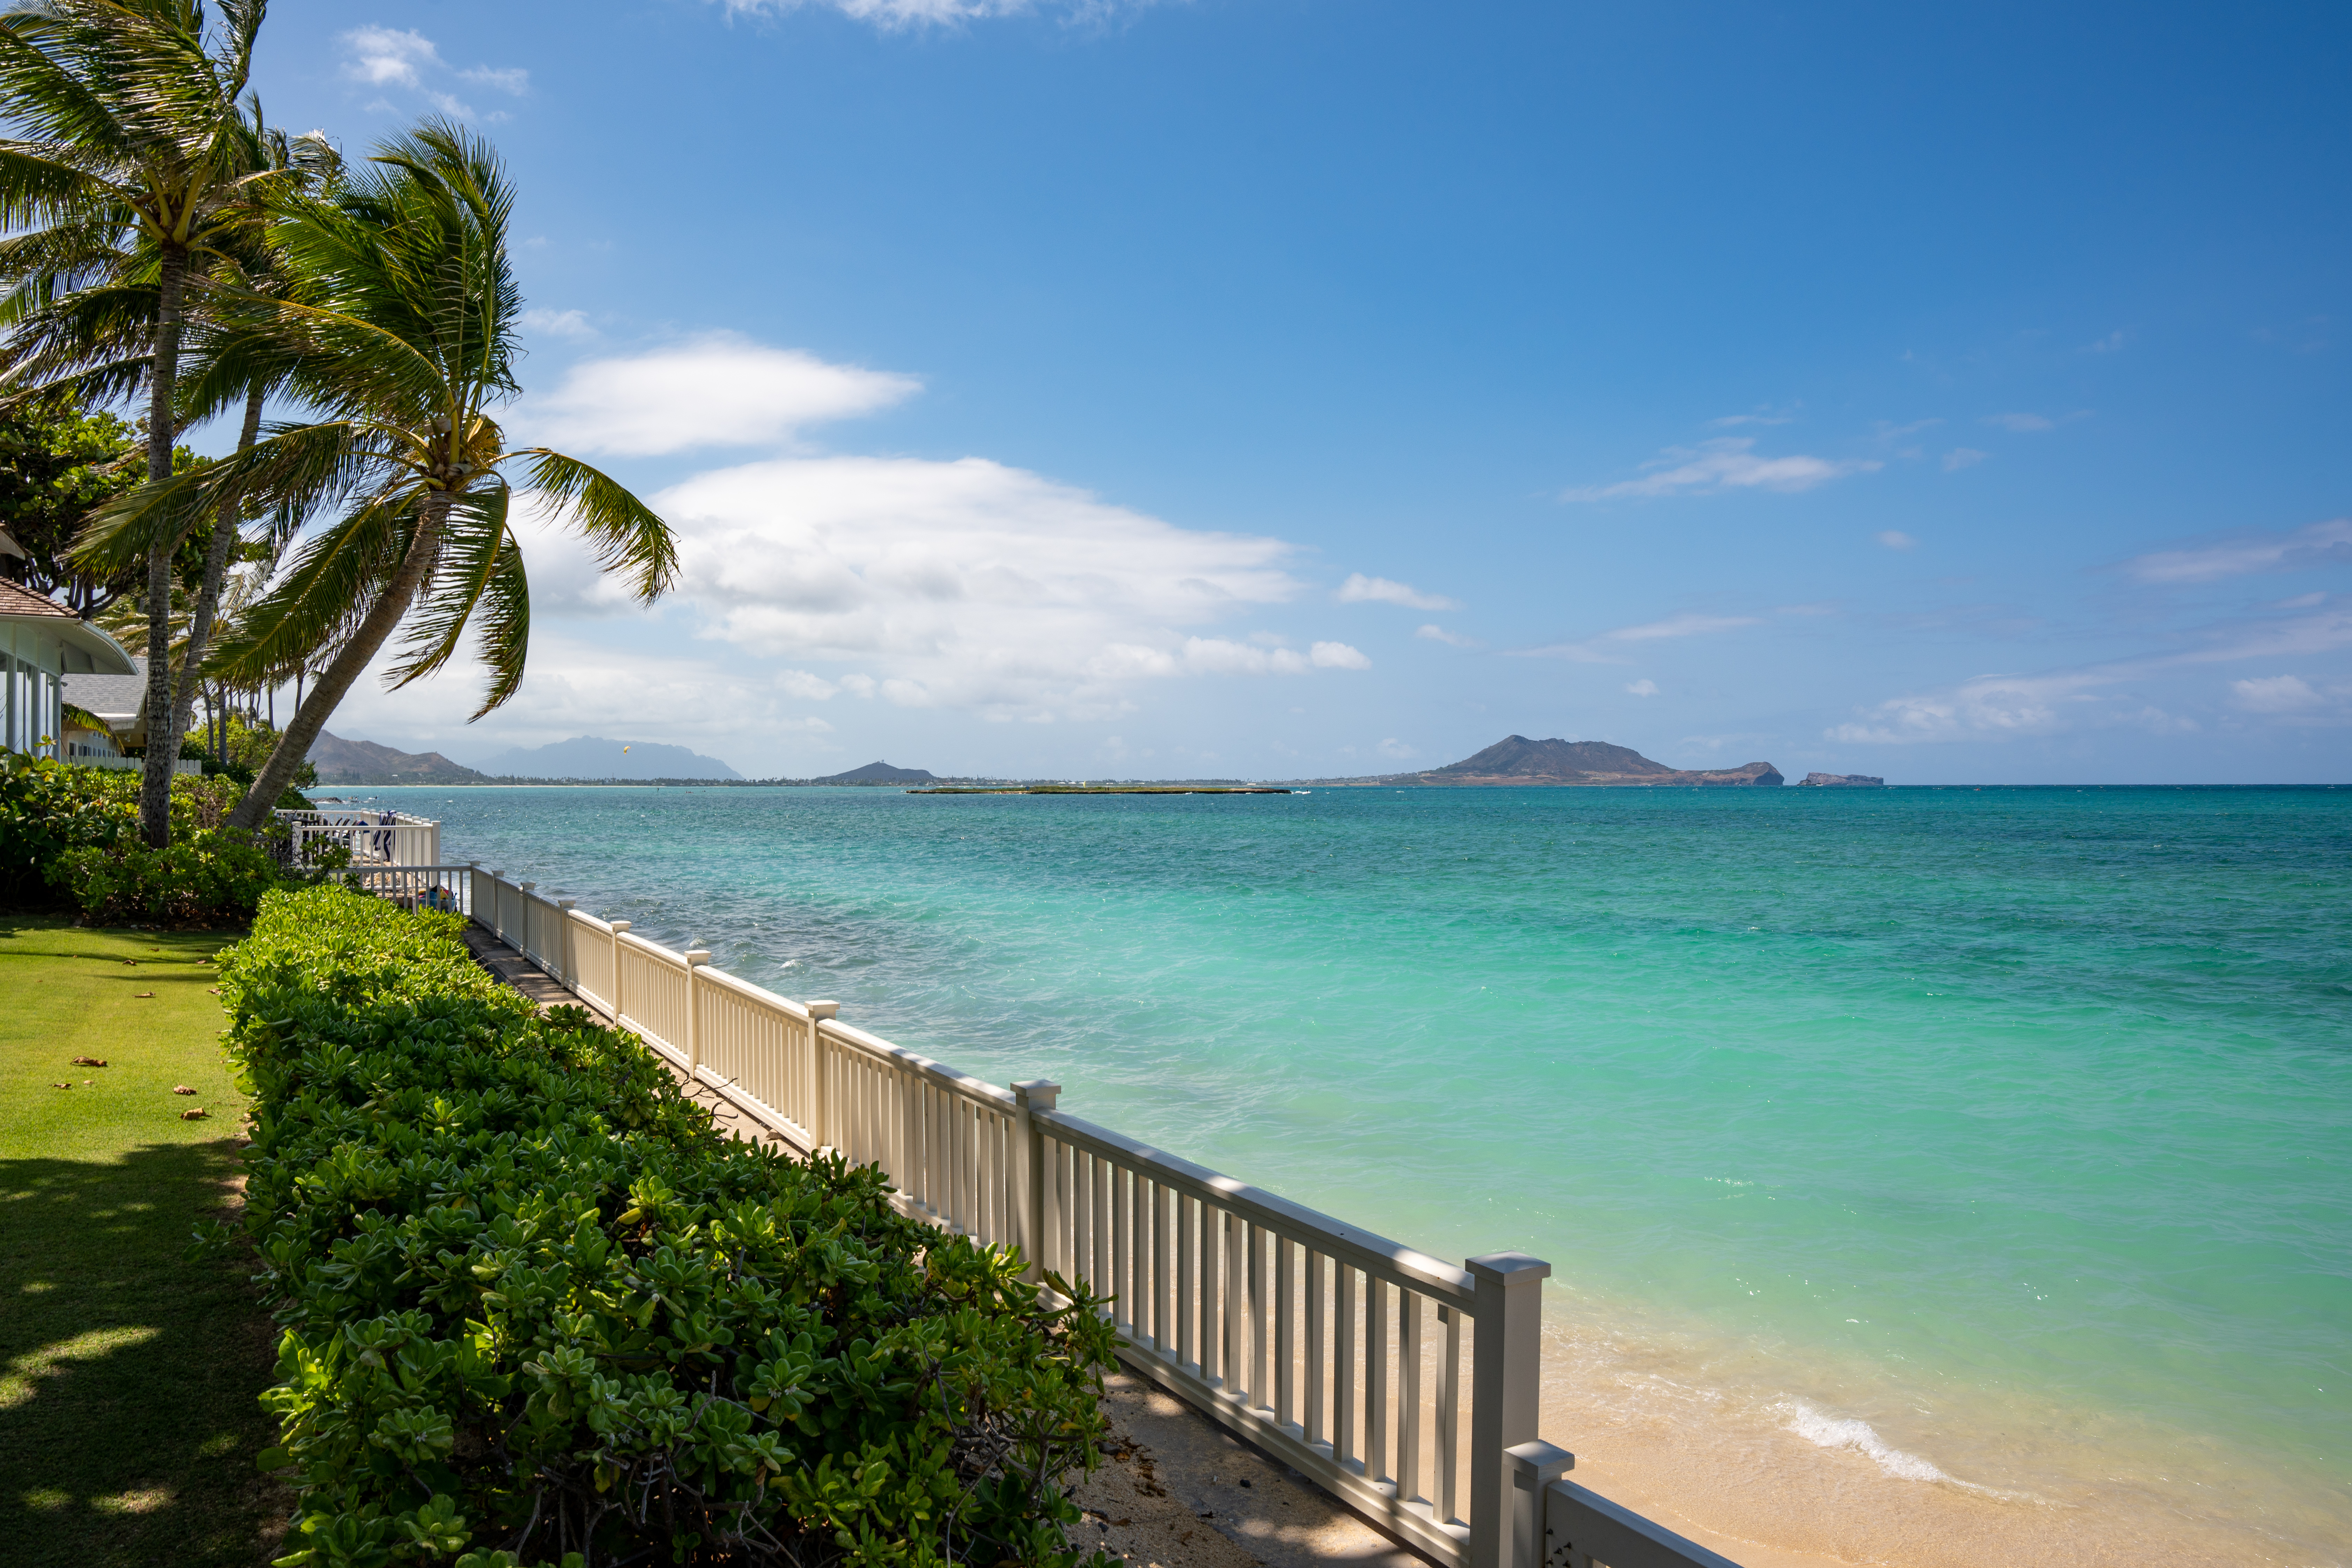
128,1426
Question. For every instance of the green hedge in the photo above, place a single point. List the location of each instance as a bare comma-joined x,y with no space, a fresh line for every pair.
70,835
538,1311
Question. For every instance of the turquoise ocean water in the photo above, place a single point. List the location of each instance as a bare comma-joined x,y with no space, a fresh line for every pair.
1892,1123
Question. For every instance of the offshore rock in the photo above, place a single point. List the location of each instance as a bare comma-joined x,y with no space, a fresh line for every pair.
1516,760
1840,781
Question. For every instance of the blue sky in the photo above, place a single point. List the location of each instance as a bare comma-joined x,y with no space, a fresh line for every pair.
1291,388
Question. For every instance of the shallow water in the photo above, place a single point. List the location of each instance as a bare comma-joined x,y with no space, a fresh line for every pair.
1924,1172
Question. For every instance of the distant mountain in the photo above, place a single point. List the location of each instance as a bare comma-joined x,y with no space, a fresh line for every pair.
879,772
1516,760
1842,781
592,757
341,762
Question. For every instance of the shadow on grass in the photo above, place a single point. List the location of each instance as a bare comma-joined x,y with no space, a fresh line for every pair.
129,1374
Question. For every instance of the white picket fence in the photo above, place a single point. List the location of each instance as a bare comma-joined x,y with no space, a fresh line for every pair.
1333,1349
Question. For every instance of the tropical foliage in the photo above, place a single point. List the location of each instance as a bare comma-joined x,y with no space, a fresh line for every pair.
537,1310
133,169
397,324
70,836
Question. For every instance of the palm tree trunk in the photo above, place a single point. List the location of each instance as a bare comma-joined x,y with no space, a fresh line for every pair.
163,739
200,631
347,665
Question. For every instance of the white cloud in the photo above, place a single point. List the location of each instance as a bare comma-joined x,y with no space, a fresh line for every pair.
1396,750
1451,639
892,15
557,323
965,585
1727,463
2112,343
1995,706
454,106
1359,589
513,79
1960,458
381,55
2020,423
2275,694
1895,538
1609,646
716,390
2322,543
1643,688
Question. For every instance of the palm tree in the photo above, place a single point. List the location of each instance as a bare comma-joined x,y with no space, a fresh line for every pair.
95,343
130,132
397,328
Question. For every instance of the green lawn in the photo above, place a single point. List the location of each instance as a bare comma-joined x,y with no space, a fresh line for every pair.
127,1424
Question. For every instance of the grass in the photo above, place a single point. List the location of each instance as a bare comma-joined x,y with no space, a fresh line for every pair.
128,1373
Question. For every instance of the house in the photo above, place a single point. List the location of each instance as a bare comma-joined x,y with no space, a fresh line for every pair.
50,657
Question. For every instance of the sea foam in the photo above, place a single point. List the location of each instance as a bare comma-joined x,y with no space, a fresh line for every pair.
1826,1431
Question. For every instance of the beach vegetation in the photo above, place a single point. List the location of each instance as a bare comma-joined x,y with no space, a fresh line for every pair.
536,1310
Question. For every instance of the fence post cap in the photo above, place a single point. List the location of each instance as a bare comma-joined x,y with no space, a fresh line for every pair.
823,1009
1037,1093
695,956
567,903
1535,1466
474,863
618,925
1510,1268
526,887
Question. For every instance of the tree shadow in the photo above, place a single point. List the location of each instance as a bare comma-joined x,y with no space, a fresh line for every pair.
128,1372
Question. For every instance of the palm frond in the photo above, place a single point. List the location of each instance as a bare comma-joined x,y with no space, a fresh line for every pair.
627,534
321,597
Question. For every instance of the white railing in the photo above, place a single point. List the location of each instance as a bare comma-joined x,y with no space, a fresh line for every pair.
122,764
373,837
1336,1349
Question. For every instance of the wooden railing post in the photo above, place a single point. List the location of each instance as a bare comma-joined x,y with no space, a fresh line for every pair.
695,959
1033,1094
565,970
498,921
1506,1392
1534,1467
474,891
820,1076
523,901
619,927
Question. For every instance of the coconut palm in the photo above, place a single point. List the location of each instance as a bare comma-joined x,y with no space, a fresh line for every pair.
397,329
95,342
128,132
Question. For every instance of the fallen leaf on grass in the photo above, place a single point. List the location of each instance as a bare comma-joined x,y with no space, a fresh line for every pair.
198,1114
60,1086
182,1088
90,1061
133,962
143,994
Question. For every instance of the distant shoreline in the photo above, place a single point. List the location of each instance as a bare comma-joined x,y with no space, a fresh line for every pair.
1139,786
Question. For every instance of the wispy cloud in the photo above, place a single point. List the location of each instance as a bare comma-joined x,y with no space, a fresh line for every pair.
1895,538
396,57
1609,646
718,390
1359,589
2275,694
1643,688
2112,343
1960,458
1991,706
1434,632
2320,544
2021,423
900,14
558,323
1725,463
388,55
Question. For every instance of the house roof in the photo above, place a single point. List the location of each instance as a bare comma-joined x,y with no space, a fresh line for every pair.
15,599
120,700
80,647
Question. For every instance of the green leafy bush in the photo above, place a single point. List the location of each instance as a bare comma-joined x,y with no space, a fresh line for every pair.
71,835
538,1311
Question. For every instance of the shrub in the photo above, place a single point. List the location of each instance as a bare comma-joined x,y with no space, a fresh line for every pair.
537,1311
70,835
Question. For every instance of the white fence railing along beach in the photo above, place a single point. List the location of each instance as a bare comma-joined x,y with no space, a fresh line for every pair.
1405,1385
